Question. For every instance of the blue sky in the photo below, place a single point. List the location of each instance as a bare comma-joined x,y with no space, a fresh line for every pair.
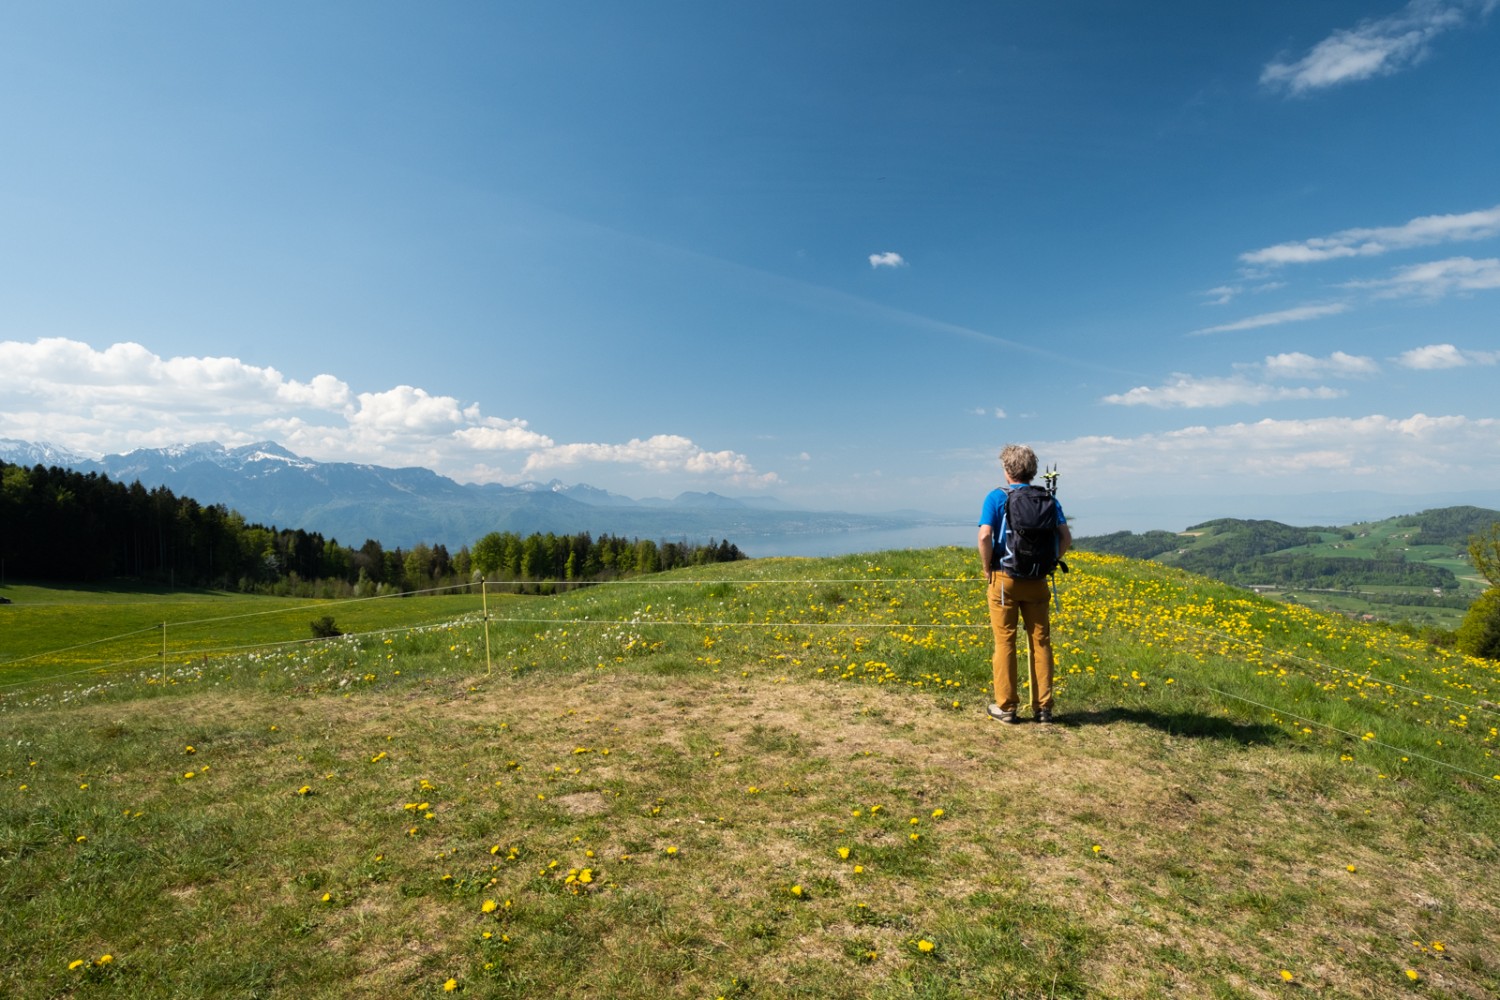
838,253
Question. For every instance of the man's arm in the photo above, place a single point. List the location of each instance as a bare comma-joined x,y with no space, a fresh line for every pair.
1064,540
986,550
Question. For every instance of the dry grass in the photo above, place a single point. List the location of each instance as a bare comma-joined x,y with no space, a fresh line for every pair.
1220,859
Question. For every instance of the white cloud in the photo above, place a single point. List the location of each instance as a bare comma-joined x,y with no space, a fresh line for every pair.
1188,392
1222,295
1437,278
1376,47
1329,453
999,413
1427,230
1296,315
125,397
1436,356
1336,365
406,409
888,259
502,435
660,453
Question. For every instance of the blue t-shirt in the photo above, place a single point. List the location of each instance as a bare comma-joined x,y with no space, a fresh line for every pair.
993,514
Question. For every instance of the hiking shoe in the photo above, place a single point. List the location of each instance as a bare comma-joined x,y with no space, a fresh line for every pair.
1044,715
1001,715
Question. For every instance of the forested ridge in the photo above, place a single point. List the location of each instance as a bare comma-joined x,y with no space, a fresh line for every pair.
1269,553
61,525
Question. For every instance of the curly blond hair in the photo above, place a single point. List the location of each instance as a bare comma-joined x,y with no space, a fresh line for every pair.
1019,462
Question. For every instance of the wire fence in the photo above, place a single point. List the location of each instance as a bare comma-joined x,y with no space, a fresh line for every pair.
1309,667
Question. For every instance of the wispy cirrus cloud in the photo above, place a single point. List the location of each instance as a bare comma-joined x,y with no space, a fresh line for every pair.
1299,314
124,397
1438,356
1252,384
1427,230
1341,452
1437,278
1192,392
1225,294
1337,365
888,259
1375,47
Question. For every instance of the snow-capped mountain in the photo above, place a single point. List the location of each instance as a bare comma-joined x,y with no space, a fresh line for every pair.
401,507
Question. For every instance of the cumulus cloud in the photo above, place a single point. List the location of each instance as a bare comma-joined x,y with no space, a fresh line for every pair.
1337,365
1437,356
125,397
1296,315
1336,452
1427,230
1189,392
1374,47
660,453
888,259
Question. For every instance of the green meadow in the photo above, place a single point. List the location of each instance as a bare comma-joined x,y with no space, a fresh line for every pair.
771,778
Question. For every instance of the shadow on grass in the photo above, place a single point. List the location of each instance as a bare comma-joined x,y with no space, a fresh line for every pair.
1193,724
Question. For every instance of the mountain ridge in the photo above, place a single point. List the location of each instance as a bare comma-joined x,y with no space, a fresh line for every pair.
268,483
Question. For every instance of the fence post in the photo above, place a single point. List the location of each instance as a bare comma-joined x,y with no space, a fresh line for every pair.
484,595
163,654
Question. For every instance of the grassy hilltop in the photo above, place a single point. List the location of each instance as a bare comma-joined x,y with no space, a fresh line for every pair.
760,779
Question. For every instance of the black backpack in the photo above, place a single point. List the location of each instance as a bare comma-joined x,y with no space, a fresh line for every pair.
1029,527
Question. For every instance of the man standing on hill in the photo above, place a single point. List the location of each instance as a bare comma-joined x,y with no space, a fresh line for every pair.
1022,537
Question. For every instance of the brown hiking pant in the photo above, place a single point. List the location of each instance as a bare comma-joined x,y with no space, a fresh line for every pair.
1025,601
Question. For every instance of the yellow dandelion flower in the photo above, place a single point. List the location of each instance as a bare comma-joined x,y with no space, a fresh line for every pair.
859,869
937,814
844,853
76,963
1413,975
1438,946
327,897
104,959
1349,868
925,945
672,851
490,906
797,890
450,986
1287,976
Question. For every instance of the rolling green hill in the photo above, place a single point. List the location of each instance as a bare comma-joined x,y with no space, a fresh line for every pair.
1412,568
761,779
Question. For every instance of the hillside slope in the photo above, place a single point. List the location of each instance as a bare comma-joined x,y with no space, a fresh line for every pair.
1412,568
760,779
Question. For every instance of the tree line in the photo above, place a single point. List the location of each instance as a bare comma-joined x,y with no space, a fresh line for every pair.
60,525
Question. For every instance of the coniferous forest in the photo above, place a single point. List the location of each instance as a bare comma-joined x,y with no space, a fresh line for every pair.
60,525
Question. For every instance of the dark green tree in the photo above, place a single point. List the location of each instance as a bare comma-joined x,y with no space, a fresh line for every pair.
1479,634
1484,553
